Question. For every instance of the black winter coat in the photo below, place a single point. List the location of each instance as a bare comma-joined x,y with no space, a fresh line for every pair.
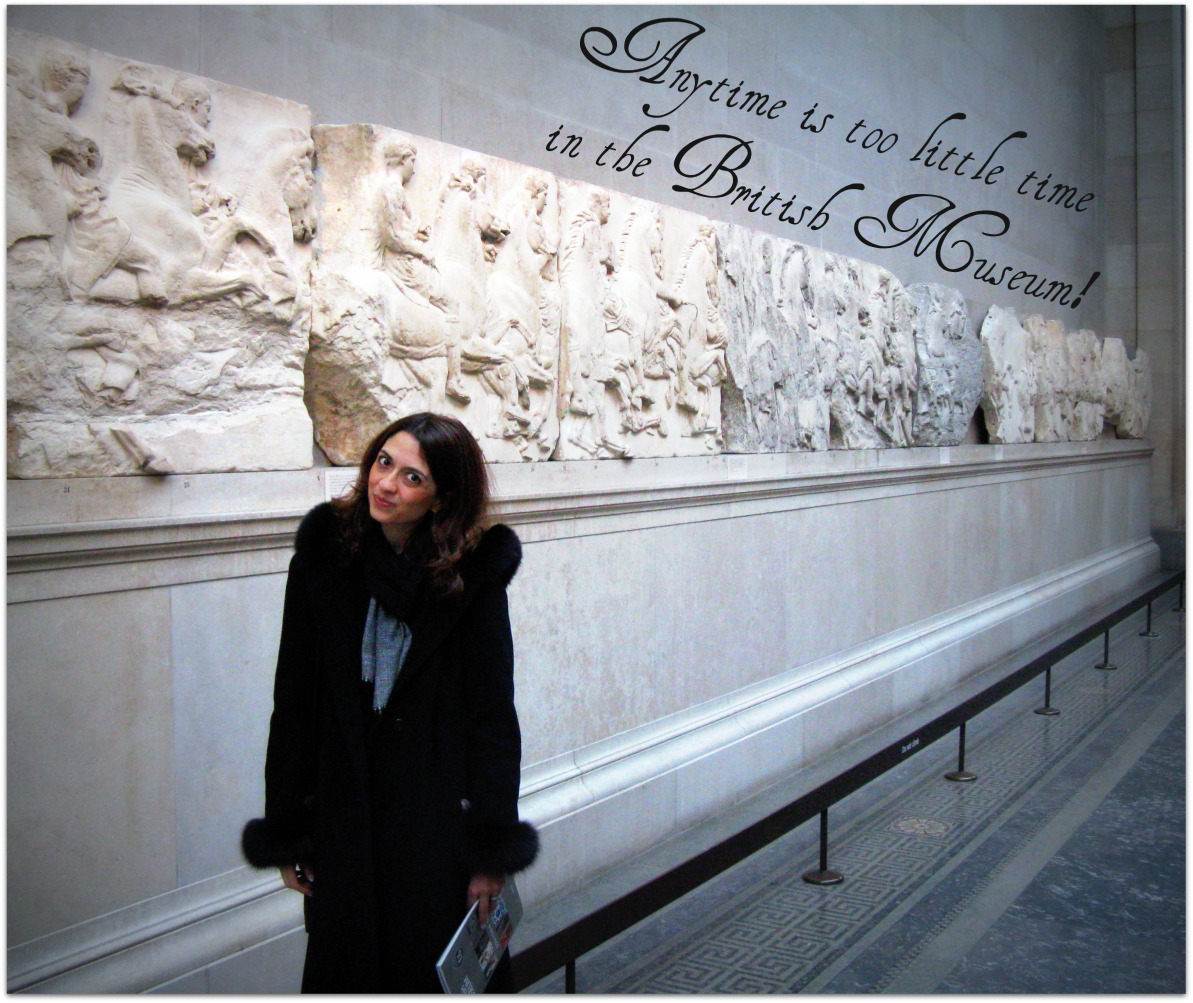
393,812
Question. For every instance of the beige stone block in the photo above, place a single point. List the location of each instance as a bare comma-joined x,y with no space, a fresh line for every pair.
223,696
435,291
158,230
90,759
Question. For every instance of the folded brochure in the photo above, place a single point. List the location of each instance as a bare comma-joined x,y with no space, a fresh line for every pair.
467,963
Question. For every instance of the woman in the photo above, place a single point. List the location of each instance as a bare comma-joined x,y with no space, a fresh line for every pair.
391,775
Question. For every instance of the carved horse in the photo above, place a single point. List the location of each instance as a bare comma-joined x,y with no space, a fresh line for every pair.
152,191
583,264
698,335
39,137
631,314
517,318
464,224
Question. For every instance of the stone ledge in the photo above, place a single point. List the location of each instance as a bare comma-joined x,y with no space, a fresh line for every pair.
144,945
180,543
669,775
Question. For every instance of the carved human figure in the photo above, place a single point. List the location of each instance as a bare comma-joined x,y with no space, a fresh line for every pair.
631,310
463,240
836,307
520,314
1050,352
632,315
585,257
949,365
46,151
298,189
1008,378
255,227
866,409
1133,421
1115,380
696,336
166,141
805,392
809,299
98,243
900,379
421,315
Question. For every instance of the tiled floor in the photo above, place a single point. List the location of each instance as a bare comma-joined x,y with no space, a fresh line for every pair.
1061,869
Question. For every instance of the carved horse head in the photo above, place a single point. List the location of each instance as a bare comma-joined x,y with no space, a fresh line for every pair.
165,129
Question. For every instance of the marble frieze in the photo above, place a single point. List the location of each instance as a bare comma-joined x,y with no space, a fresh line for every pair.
949,355
436,289
158,231
821,351
1044,384
198,280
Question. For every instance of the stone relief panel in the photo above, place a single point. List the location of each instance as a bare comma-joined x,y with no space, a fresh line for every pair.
1087,388
1042,384
775,398
158,230
821,354
872,401
1054,395
436,289
949,356
1133,419
161,296
643,337
1008,378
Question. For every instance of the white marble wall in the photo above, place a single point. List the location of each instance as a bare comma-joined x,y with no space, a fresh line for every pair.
90,759
697,668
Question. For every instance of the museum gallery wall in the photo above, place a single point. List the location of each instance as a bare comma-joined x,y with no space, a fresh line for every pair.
163,296
215,298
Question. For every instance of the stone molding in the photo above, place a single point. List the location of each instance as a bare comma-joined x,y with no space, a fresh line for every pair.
763,724
48,561
154,942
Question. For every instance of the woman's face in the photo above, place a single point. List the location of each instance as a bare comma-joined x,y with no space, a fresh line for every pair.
401,490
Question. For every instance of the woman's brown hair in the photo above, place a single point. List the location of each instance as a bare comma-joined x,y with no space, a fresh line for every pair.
454,526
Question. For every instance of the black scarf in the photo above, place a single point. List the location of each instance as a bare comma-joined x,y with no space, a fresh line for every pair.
392,578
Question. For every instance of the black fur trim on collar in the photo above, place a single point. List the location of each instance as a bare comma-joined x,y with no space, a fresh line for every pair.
498,555
318,536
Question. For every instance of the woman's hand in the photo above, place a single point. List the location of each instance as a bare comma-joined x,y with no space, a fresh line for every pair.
483,888
298,877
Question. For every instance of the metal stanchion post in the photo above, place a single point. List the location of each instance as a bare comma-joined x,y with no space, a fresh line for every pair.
1106,663
823,876
1147,631
1047,710
1180,602
569,977
961,774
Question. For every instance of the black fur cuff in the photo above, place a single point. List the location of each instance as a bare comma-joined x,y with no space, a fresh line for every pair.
500,847
268,842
